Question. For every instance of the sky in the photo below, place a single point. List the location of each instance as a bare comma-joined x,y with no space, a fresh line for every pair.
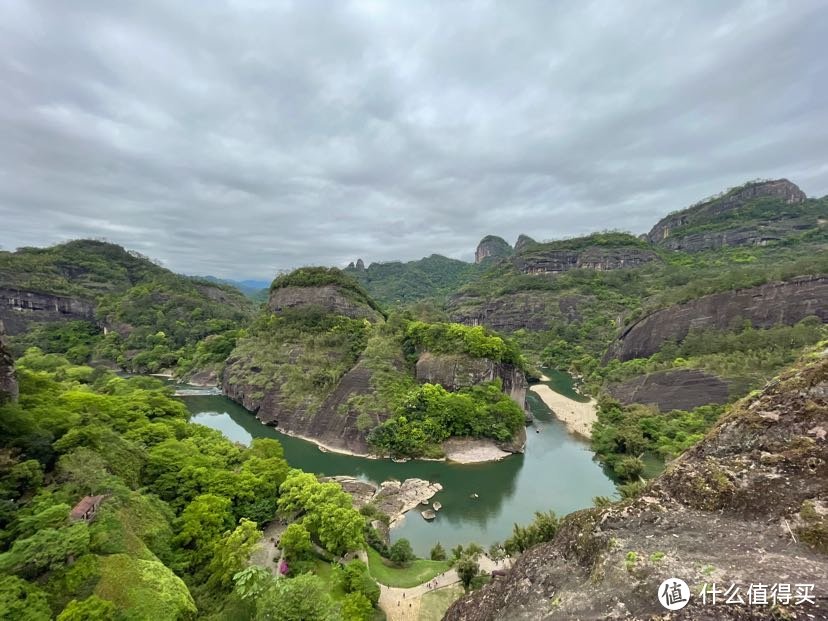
237,138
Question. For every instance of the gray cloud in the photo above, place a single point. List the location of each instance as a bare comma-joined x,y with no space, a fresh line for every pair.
240,137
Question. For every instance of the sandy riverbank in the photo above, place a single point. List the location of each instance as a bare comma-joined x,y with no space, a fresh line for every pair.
472,451
578,417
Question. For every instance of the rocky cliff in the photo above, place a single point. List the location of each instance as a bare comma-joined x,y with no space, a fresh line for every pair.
523,242
681,389
491,246
329,298
736,229
8,382
541,260
765,306
748,505
333,423
19,308
529,310
455,371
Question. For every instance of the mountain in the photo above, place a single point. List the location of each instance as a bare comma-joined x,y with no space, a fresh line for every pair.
91,298
251,287
744,506
491,246
755,213
323,362
396,283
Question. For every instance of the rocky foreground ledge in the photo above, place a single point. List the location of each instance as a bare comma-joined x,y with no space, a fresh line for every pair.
394,498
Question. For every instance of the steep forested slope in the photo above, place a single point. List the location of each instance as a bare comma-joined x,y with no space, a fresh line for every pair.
89,298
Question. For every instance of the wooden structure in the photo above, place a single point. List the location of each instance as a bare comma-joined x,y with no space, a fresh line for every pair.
86,509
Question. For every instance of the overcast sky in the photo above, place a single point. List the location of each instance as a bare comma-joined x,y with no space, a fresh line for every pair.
236,138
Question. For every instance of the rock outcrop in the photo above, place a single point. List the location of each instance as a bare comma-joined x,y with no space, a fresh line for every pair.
523,242
491,246
550,261
393,498
667,232
680,389
765,306
747,506
8,382
19,308
329,298
333,424
528,310
455,371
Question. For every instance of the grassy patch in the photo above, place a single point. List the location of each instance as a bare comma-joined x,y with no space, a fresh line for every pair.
433,605
404,577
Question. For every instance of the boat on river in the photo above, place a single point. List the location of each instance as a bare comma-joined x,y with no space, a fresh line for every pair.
428,515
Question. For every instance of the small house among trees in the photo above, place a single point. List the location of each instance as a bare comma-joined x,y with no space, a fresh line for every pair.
86,509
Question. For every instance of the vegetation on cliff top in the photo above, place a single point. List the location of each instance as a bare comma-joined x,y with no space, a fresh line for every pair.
396,284
323,277
159,320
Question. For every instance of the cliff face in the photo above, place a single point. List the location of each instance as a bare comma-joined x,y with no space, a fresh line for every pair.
595,258
455,371
8,382
745,506
333,423
665,232
764,306
19,307
329,298
523,242
530,310
682,389
491,246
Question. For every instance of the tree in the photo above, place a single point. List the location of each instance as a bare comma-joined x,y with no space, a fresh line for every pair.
467,569
202,523
296,542
93,608
232,553
496,551
401,552
22,601
356,579
356,607
341,529
438,553
304,598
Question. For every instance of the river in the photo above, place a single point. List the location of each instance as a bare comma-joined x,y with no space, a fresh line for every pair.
557,472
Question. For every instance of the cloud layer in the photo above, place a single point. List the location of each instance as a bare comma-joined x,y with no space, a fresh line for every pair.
236,138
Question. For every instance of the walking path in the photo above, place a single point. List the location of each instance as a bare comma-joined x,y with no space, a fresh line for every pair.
404,604
267,554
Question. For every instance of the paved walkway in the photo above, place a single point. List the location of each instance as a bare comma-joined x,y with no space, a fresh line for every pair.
404,604
268,554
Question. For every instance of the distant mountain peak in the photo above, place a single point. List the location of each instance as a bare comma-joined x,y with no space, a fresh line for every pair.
491,246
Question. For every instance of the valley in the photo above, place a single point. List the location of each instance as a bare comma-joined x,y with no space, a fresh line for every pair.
579,378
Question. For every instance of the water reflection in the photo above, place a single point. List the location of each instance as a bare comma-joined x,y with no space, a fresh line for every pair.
557,472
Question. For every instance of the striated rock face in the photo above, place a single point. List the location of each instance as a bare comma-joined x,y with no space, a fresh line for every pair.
765,306
682,389
333,424
664,232
18,308
745,506
530,310
455,371
8,382
491,246
595,258
330,298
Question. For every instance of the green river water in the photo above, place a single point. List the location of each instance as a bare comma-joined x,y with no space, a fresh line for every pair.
557,472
